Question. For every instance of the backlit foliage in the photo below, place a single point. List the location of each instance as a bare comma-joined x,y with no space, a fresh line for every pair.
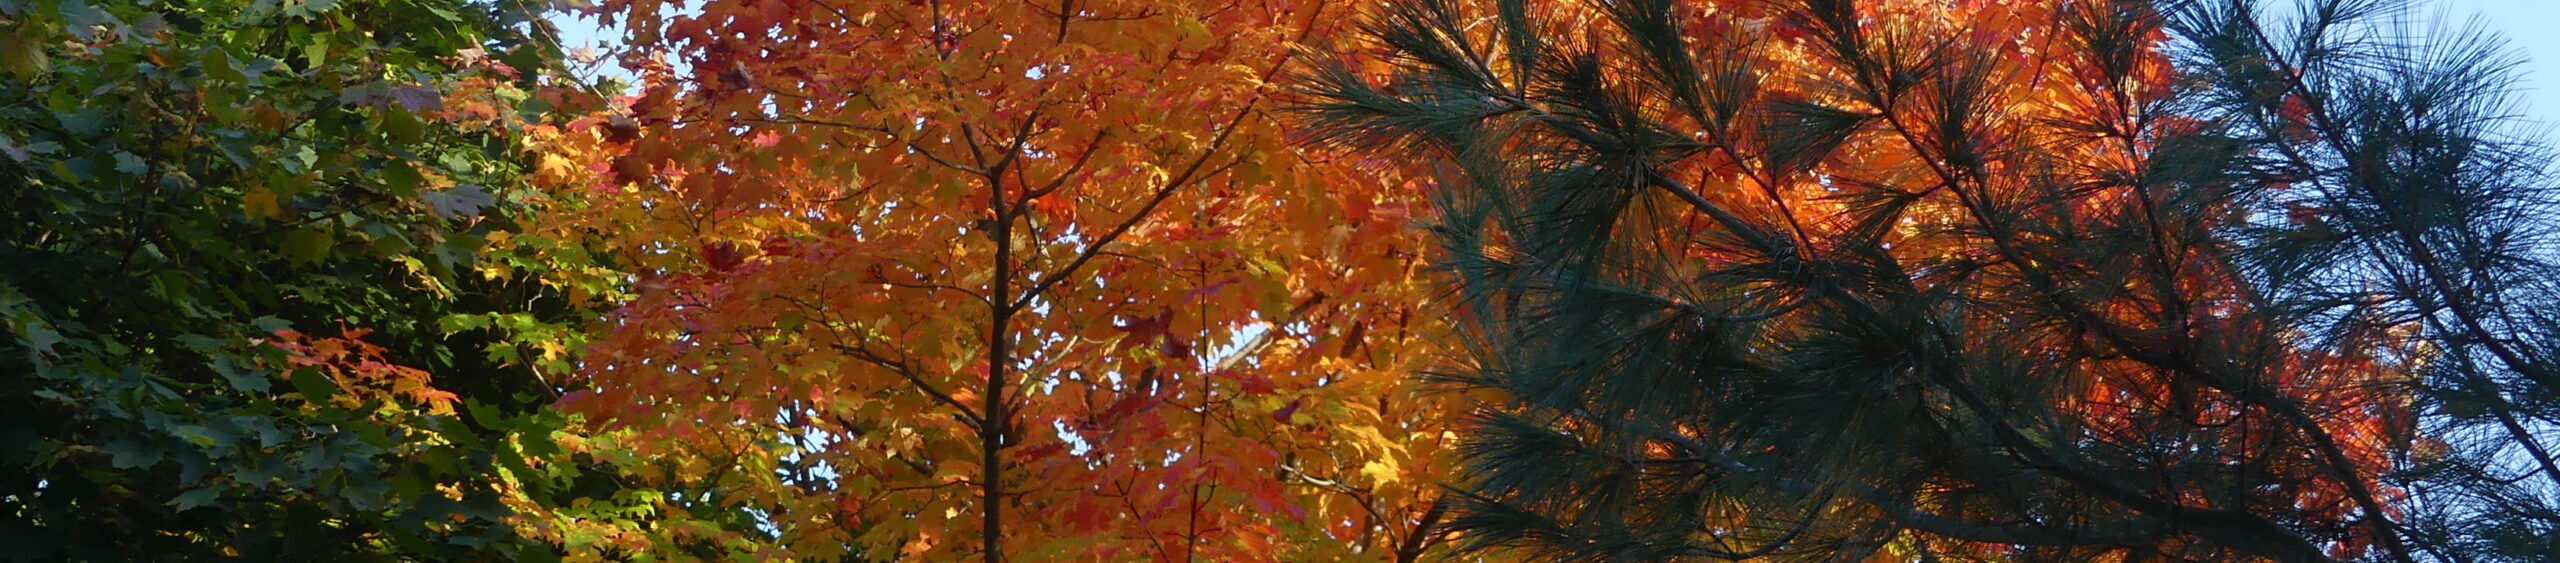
840,216
1888,279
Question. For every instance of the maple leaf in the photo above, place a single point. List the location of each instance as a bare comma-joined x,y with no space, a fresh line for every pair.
723,256
464,200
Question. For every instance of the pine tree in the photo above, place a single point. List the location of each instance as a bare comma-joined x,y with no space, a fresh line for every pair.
1975,280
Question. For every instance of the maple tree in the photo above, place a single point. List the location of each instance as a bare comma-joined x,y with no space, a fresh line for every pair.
250,301
1003,279
1976,279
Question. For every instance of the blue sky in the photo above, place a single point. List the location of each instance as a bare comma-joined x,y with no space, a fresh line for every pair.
2532,29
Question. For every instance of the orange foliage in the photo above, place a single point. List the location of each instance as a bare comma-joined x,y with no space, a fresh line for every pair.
841,217
359,371
902,270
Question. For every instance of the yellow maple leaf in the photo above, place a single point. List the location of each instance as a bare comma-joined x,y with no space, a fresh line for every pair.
261,204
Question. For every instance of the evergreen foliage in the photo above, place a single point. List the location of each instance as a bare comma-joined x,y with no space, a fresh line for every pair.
1824,279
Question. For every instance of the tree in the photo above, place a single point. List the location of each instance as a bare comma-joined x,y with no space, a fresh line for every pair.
252,304
2415,217
1004,279
1983,280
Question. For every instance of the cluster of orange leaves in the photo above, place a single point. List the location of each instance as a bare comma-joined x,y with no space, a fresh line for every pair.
360,373
1213,364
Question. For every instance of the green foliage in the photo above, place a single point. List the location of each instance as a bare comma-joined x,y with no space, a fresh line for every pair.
181,180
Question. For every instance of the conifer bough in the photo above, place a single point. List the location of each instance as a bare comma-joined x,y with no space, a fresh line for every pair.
2091,280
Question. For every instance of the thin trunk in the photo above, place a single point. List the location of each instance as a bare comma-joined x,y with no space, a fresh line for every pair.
992,426
1423,531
